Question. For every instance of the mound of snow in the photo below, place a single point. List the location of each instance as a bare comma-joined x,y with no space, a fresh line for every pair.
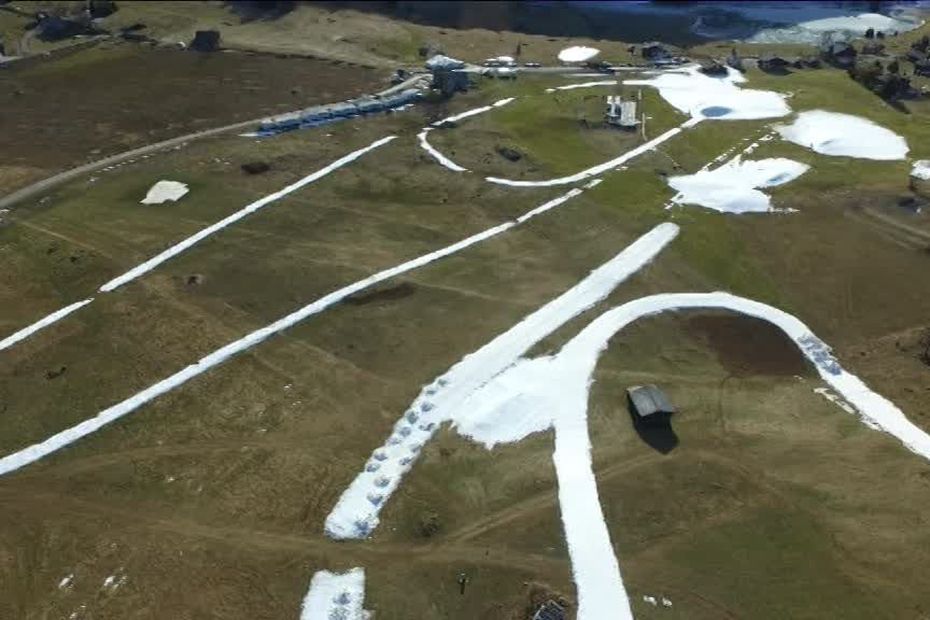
921,169
844,135
337,596
734,186
847,25
164,191
578,53
718,98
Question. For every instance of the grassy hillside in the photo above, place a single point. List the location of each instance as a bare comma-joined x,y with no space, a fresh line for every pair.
210,501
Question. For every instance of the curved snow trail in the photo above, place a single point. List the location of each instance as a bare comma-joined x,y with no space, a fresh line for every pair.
437,155
356,514
33,453
601,168
41,323
442,159
335,596
875,411
179,247
582,85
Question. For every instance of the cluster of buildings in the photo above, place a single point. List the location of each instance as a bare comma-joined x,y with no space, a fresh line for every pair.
346,109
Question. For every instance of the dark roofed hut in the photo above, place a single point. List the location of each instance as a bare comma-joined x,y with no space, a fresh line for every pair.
653,50
649,403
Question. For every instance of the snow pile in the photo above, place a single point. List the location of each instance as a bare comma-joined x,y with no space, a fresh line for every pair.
335,596
718,98
844,135
164,191
734,186
578,53
846,26
921,169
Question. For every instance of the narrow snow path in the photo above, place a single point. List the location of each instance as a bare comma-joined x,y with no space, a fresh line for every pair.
356,514
335,596
42,323
601,168
474,112
54,443
181,246
582,85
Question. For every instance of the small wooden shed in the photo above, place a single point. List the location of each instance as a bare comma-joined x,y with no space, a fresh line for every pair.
649,402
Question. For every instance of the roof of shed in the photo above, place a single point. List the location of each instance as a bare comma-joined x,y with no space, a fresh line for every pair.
648,399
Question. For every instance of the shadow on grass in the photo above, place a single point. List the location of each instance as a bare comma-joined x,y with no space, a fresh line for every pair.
655,430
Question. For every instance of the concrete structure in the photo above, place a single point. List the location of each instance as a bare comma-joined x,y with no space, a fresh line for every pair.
449,76
621,113
648,401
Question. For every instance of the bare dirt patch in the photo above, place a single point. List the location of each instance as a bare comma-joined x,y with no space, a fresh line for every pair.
746,346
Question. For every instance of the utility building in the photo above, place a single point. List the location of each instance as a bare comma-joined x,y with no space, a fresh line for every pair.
621,113
649,403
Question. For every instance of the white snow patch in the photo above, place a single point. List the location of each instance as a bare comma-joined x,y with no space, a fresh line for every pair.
335,596
582,85
21,458
734,186
163,191
578,53
153,262
844,135
921,169
716,98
